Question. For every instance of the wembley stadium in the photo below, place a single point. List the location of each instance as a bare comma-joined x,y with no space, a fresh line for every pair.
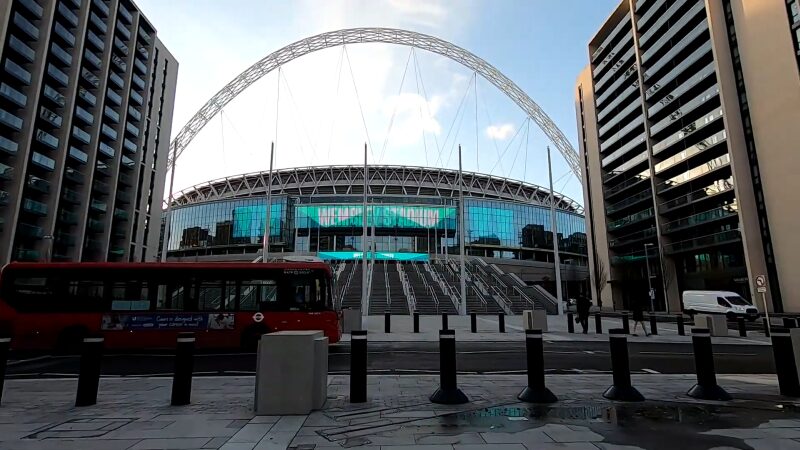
412,223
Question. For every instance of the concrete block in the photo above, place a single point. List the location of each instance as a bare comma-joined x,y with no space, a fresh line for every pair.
285,373
717,324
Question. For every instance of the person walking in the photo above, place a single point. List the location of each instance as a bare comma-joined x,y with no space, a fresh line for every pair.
638,317
583,306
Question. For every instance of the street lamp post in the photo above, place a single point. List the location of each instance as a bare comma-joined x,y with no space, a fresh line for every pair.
650,292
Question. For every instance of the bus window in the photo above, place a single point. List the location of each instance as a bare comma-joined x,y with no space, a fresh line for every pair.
257,294
32,293
230,295
210,294
170,296
129,296
86,292
307,293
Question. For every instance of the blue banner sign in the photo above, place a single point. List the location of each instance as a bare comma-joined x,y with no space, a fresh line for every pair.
379,256
167,321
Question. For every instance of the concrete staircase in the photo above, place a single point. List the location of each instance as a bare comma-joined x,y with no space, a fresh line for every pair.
387,291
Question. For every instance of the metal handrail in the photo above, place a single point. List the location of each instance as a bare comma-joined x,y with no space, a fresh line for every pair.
480,296
388,288
525,297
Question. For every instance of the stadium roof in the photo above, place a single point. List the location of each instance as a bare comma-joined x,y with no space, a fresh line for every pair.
383,180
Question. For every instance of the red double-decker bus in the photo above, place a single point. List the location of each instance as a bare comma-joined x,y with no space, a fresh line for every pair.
145,305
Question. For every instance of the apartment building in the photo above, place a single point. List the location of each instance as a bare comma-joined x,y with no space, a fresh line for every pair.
689,126
86,98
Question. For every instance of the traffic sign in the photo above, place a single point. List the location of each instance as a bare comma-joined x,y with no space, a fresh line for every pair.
761,289
652,294
761,281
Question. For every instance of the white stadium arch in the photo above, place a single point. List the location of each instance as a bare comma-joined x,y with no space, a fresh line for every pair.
371,35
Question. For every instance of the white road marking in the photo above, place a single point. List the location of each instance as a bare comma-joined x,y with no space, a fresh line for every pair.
651,371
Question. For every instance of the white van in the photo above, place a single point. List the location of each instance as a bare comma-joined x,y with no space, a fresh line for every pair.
718,302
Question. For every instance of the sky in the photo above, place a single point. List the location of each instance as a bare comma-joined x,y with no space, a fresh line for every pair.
413,107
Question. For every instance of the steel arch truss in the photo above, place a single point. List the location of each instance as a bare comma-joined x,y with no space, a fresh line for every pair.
383,180
371,35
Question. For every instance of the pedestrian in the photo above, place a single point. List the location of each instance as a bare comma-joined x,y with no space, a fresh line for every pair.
638,317
583,306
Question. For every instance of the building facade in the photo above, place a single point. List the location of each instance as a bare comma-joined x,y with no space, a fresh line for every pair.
86,103
412,213
688,118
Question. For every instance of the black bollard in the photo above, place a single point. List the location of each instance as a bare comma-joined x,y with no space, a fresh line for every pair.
789,322
621,390
473,322
358,366
536,391
416,322
448,392
625,324
501,322
387,322
653,325
89,377
184,366
444,321
5,343
765,322
681,329
706,387
570,323
598,323
785,363
742,327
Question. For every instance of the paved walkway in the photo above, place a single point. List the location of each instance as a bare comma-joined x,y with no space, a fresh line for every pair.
133,413
402,330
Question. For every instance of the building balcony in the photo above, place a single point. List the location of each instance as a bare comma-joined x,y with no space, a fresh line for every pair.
711,191
631,219
34,207
70,196
95,226
711,240
633,238
25,254
723,212
120,214
30,231
98,206
67,217
634,199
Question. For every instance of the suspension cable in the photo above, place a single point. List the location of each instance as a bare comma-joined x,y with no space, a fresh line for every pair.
336,101
449,131
394,110
499,160
421,117
358,98
525,167
494,141
521,141
222,134
477,156
277,115
301,121
427,102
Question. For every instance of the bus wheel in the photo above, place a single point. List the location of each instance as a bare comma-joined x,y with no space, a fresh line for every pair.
70,340
250,337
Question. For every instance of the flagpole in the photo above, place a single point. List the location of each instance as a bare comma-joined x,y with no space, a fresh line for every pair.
364,296
267,227
463,306
554,227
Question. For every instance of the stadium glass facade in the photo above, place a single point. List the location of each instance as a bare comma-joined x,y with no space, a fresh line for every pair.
500,229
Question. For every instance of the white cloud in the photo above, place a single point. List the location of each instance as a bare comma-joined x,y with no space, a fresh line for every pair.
500,132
